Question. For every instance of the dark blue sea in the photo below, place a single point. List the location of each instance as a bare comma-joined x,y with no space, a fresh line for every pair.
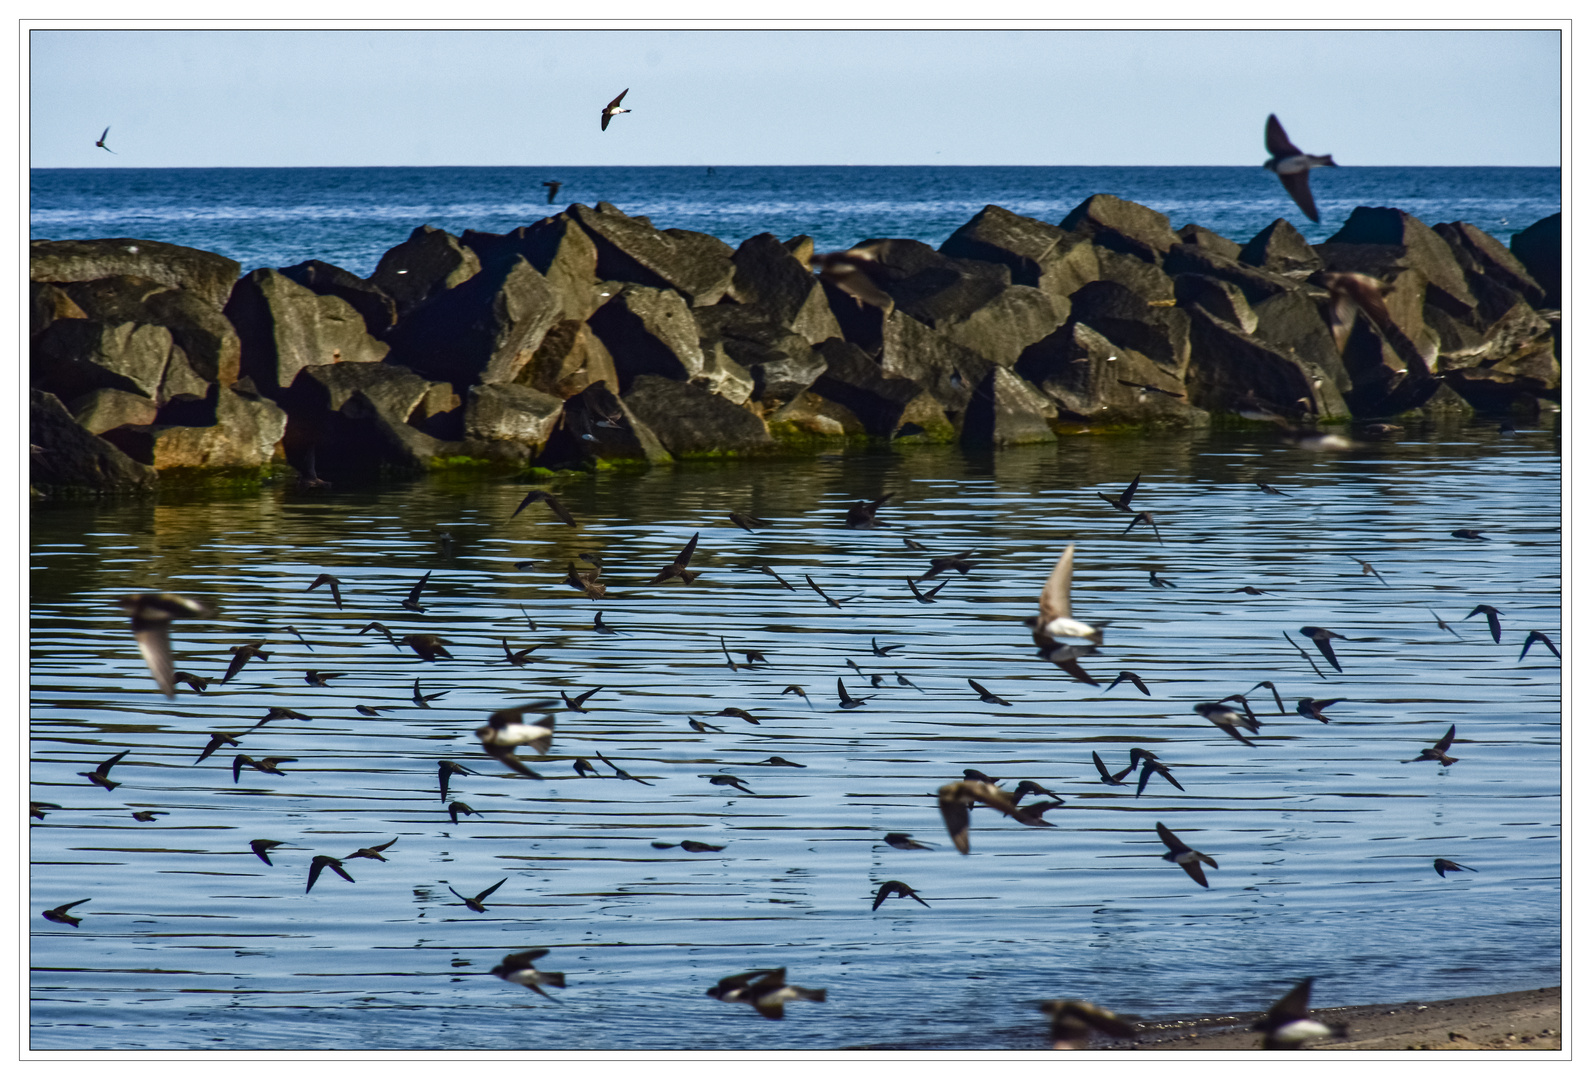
348,216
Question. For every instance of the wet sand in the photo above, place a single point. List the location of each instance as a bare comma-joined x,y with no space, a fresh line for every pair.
1524,1020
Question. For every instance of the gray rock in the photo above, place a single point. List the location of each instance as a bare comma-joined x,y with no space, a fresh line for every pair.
1145,279
629,249
1092,380
1006,411
780,286
353,420
1233,372
46,304
1488,264
1377,240
181,382
724,376
75,356
100,410
779,362
1292,323
379,310
810,420
1221,299
204,335
428,263
855,380
1281,249
70,460
1160,333
1199,236
599,427
1021,244
560,251
206,275
509,413
1257,285
483,331
570,358
649,331
949,371
1539,250
690,421
246,433
284,328
1122,226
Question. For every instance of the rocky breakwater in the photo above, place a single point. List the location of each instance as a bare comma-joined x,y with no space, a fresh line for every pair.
593,337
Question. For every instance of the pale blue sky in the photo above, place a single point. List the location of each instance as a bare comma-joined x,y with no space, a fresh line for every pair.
741,97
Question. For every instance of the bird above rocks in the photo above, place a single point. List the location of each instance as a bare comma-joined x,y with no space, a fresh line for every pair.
1291,166
151,615
552,187
611,109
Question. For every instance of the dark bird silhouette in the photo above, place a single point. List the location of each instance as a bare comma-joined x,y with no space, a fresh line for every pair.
925,597
1442,866
445,771
882,650
59,914
424,700
779,762
1073,1023
747,522
1184,856
799,692
1439,751
1302,653
264,765
325,862
318,678
676,569
764,990
1033,787
101,773
506,730
955,806
412,601
552,187
584,768
263,849
611,109
827,599
100,142
147,815
603,628
1322,639
37,809
477,902
985,694
151,615
217,741
1366,568
1123,501
384,631
769,571
552,504
957,562
427,646
724,780
1270,490
1281,709
518,657
1132,678
520,967
620,773
1055,627
896,888
1252,591
301,638
586,581
702,725
277,712
373,852
454,809
1228,720
912,545
1159,582
1291,166
1468,534
1491,614
904,842
1288,1026
1316,710
864,514
1535,636
333,583
849,702
901,680
696,847
1444,625
980,777
741,714
578,704
195,682
1108,777
1152,765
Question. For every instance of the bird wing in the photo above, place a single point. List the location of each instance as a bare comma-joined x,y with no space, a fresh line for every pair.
1075,670
615,102
1294,1004
957,818
1446,742
684,557
1055,602
490,891
1297,185
155,646
1132,488
1104,773
1195,871
315,867
558,508
1276,141
883,893
1169,838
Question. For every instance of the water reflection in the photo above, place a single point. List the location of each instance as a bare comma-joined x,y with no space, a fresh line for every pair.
1324,839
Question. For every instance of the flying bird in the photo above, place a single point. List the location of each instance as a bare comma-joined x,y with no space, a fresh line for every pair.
1228,720
1108,777
1439,751
151,615
612,109
768,994
1468,534
1073,1024
769,571
1055,627
100,142
1132,678
373,852
1291,166
1315,710
1267,489
445,771
412,601
676,569
586,581
904,842
1535,636
864,514
897,888
1444,626
332,583
477,902
518,657
101,773
520,967
1152,765
1366,568
325,862
264,765
422,699
940,563
59,914
369,626
1184,856
552,187
746,521
217,740
620,773
725,780
1281,710
506,730
1442,866
1491,614
985,694
1160,582
1123,501
955,806
547,497
427,646
263,848
925,597
1322,639
1288,1025
846,700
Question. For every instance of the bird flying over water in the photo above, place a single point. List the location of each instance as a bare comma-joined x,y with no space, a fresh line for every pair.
676,569
1322,639
412,601
1288,1025
1491,614
1055,627
864,514
1184,856
1228,720
955,805
100,142
611,109
59,914
897,888
925,597
325,862
478,901
101,774
1535,636
333,583
1291,166
520,968
1442,866
1439,751
1073,1023
151,615
764,990
1124,500
1129,677
552,187
506,730
547,497
1315,710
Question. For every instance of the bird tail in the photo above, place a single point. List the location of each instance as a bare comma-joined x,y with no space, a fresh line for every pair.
804,994
553,978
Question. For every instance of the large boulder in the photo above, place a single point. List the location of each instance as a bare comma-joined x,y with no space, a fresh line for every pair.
1091,379
780,362
1281,249
570,358
357,419
650,331
284,328
63,457
1233,372
428,263
949,371
510,413
46,304
1220,298
690,421
695,265
560,251
781,287
1494,274
1126,227
483,331
75,356
1539,250
378,309
1377,240
1292,322
100,410
1160,333
1006,411
208,341
1037,253
1145,279
1258,285
203,273
1199,236
245,435
882,403
597,426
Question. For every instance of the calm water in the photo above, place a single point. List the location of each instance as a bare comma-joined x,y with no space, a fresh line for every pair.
276,217
1324,839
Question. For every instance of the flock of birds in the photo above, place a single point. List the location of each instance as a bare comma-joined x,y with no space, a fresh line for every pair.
1060,637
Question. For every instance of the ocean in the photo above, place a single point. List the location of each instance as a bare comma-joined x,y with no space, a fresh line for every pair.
1325,833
